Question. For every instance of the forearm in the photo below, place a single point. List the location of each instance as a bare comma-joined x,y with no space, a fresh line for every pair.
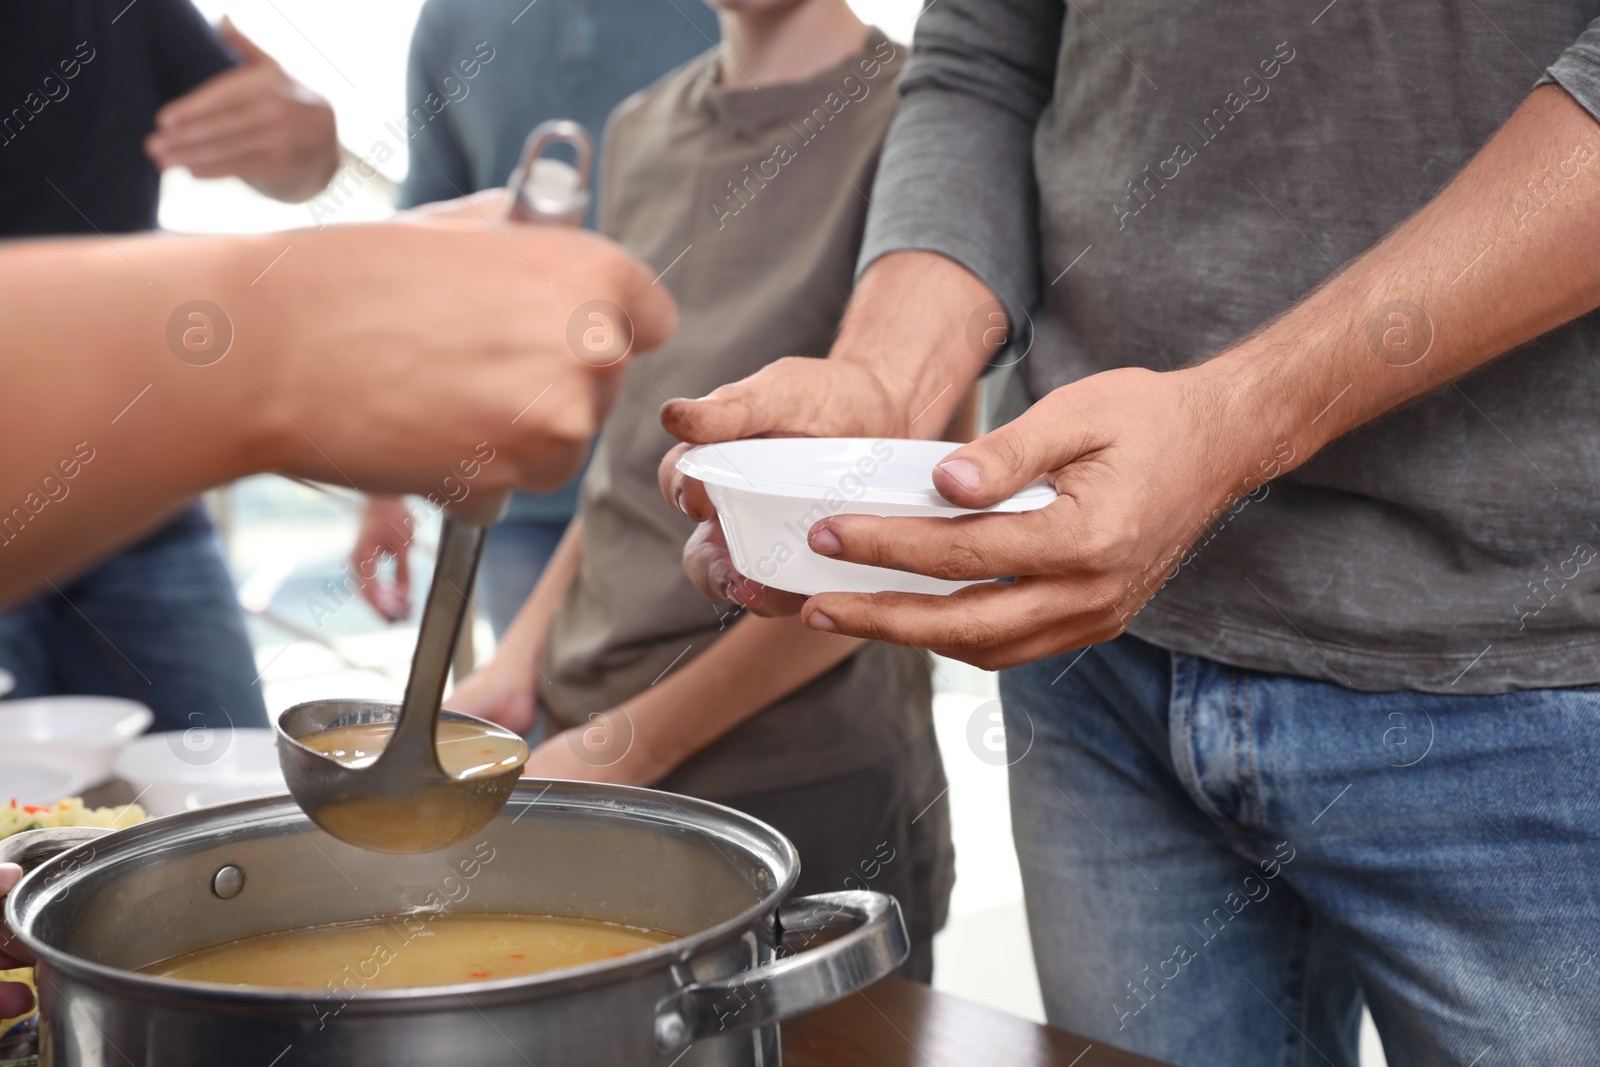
950,255
910,324
526,634
99,448
759,662
390,358
1469,277
957,175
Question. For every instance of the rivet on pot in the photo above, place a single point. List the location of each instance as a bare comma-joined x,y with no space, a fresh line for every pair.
671,1032
227,882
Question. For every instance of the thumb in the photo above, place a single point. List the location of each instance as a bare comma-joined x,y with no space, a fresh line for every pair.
1049,435
787,396
250,53
728,413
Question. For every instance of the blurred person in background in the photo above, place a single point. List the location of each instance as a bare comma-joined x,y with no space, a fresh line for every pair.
742,179
98,98
572,59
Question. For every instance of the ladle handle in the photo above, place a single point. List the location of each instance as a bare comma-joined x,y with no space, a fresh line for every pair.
462,535
460,547
563,206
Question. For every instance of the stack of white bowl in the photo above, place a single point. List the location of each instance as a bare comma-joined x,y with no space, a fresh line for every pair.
54,747
185,769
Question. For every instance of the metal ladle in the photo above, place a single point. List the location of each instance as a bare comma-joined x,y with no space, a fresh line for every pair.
404,802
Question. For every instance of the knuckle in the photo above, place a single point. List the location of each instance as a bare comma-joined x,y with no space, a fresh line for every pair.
870,548
963,558
1093,543
1055,406
869,623
1105,593
1006,446
971,633
1111,545
1057,544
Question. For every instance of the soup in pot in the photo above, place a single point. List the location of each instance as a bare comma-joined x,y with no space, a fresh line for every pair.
465,749
407,951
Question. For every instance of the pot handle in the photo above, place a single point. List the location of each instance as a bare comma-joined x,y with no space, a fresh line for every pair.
875,945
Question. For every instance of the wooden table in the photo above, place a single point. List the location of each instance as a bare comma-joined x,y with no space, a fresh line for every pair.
898,1023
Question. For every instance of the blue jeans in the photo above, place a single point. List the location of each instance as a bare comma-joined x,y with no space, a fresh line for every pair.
158,623
514,556
1220,865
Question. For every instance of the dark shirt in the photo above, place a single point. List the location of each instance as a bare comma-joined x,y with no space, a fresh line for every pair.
1445,547
80,85
566,59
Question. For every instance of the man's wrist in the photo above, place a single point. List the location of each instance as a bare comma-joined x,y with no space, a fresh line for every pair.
916,324
221,346
267,374
1345,355
1263,414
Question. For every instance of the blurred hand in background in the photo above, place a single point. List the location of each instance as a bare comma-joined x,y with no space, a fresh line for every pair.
386,532
253,122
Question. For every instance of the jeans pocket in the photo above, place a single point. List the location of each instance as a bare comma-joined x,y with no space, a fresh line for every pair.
1182,730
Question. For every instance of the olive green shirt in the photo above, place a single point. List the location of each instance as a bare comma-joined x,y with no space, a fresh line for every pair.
752,205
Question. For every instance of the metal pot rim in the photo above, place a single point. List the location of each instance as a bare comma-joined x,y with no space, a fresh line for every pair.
149,839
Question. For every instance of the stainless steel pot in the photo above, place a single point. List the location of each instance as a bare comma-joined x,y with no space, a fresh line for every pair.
712,998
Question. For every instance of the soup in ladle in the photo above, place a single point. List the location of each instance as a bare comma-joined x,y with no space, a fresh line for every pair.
401,808
465,749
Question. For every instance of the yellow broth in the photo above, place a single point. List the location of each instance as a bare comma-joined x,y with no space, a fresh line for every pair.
426,949
465,749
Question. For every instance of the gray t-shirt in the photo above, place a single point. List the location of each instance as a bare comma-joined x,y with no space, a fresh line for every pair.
1146,187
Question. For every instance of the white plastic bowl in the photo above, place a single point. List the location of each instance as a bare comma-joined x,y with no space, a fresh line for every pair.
36,783
78,734
165,768
769,492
